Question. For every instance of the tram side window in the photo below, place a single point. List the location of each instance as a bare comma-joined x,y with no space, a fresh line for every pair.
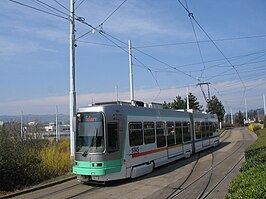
113,141
215,124
207,129
186,131
149,132
203,129
135,134
161,140
178,132
211,129
198,130
170,133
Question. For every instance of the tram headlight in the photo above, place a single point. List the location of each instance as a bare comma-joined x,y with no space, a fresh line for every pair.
97,164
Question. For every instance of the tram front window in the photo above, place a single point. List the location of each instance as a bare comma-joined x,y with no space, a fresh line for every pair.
90,135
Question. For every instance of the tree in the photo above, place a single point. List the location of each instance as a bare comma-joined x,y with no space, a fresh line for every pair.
193,103
216,107
180,103
239,119
264,122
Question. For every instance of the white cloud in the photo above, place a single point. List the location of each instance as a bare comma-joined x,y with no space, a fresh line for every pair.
47,104
11,47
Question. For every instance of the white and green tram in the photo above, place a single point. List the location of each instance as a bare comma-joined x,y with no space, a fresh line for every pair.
118,141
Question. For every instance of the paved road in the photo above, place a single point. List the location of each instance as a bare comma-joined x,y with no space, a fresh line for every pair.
204,175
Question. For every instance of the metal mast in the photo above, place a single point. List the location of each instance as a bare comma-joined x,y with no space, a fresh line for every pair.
246,107
57,136
264,107
21,125
130,72
72,92
187,99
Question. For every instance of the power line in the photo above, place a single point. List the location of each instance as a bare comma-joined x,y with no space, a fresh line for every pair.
37,9
79,4
51,7
216,46
201,41
101,24
101,33
62,5
109,16
195,34
192,16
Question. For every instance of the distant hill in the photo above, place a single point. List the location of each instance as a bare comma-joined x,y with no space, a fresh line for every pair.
38,118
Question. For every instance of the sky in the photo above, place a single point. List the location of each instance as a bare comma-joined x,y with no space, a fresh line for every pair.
222,43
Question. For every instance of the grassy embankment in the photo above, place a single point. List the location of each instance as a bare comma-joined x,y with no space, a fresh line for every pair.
251,183
28,162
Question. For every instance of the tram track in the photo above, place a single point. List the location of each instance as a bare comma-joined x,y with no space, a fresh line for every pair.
204,193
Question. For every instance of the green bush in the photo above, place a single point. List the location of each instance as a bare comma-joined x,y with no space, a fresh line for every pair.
251,182
56,159
24,162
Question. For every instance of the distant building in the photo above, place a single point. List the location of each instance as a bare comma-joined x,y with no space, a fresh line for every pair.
33,123
1,124
50,127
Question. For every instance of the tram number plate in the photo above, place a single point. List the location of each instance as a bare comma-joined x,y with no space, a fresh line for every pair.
135,150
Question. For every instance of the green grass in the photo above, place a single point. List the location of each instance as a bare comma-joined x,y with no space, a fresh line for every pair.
251,183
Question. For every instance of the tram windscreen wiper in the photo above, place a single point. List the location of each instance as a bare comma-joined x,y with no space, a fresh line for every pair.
96,135
85,153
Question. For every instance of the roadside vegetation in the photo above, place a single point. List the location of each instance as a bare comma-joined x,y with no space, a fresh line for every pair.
251,183
25,162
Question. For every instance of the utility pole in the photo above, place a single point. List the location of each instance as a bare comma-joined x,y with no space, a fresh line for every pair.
264,107
57,136
246,110
187,99
116,91
232,119
21,125
130,72
72,92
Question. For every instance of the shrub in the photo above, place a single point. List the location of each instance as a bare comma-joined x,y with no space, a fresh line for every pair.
27,162
56,159
251,182
19,162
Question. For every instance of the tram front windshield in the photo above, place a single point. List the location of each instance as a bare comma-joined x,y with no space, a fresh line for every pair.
90,135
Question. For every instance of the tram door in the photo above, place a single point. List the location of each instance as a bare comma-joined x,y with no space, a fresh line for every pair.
174,144
205,134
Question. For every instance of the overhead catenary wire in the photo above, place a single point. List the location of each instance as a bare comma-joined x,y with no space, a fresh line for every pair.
101,24
201,41
45,7
101,33
216,46
38,9
112,13
62,5
51,7
196,38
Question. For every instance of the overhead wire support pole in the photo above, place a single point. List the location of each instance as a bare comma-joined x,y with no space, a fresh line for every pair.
72,92
264,107
130,72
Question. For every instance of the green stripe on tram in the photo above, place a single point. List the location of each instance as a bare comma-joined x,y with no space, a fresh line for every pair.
97,168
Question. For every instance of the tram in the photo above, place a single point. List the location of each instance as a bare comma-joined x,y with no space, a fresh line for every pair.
117,141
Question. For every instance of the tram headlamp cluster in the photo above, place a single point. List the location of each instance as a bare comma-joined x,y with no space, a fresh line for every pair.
97,164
